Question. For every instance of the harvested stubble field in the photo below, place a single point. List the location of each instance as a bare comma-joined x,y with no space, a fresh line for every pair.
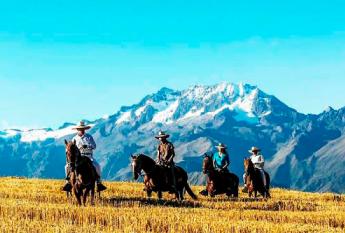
31,205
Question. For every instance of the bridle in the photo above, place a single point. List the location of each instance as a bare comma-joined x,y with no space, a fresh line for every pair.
208,167
140,172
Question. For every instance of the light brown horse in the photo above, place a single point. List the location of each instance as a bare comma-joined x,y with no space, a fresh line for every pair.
254,181
156,178
82,174
219,182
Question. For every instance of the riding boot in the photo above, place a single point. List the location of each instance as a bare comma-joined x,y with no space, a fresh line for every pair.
67,187
172,170
263,177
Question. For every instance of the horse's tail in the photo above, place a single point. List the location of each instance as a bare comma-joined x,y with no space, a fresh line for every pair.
190,192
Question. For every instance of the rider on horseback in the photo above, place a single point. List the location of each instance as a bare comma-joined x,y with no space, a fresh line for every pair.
221,160
86,145
166,154
259,163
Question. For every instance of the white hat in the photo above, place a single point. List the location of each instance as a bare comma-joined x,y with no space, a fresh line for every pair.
162,134
82,126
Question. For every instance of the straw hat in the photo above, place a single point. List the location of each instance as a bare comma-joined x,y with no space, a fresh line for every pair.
254,149
82,126
162,134
221,146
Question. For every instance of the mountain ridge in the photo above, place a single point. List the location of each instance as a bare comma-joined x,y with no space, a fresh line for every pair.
240,115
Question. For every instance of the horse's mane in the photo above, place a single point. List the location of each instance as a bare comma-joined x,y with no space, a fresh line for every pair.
250,164
146,158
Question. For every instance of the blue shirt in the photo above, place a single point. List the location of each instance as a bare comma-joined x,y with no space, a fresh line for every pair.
220,160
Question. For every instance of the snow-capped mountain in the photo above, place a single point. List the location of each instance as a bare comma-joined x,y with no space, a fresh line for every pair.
296,146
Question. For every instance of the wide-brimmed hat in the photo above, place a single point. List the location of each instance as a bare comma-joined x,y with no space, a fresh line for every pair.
162,134
221,146
254,149
82,126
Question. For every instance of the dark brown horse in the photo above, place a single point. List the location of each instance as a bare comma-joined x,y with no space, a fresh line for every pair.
219,182
156,178
82,174
254,181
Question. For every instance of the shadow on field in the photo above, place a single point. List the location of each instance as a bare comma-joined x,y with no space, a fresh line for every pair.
138,201
246,200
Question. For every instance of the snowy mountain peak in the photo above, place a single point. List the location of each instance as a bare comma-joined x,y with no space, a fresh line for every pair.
246,102
168,106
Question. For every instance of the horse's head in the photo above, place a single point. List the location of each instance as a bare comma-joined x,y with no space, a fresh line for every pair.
207,164
136,166
72,151
248,165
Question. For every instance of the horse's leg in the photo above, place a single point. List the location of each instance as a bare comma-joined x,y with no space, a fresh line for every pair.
234,188
160,195
268,181
85,194
77,195
181,194
149,193
93,196
148,190
235,193
211,189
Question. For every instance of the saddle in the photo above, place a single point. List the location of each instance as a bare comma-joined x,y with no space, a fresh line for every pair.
165,173
223,177
78,165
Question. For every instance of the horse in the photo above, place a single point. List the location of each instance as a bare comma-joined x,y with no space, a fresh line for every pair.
254,181
156,178
219,182
82,175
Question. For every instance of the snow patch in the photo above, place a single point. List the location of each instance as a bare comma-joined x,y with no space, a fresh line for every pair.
166,115
125,117
39,134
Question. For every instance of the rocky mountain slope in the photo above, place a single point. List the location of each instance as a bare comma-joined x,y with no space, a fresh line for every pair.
302,151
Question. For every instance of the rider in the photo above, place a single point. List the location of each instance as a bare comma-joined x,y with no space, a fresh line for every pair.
86,145
166,154
221,160
259,162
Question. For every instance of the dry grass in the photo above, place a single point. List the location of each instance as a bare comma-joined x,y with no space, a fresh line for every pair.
38,206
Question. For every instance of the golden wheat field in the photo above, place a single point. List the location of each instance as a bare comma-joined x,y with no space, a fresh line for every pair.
31,205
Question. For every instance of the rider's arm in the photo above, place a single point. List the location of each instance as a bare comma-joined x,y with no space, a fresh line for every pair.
92,143
262,161
225,165
227,162
172,151
214,163
158,154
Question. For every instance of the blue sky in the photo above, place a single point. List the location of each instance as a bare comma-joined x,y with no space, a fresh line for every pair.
66,60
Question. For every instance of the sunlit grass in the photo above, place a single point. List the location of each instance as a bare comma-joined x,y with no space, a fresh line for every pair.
28,205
